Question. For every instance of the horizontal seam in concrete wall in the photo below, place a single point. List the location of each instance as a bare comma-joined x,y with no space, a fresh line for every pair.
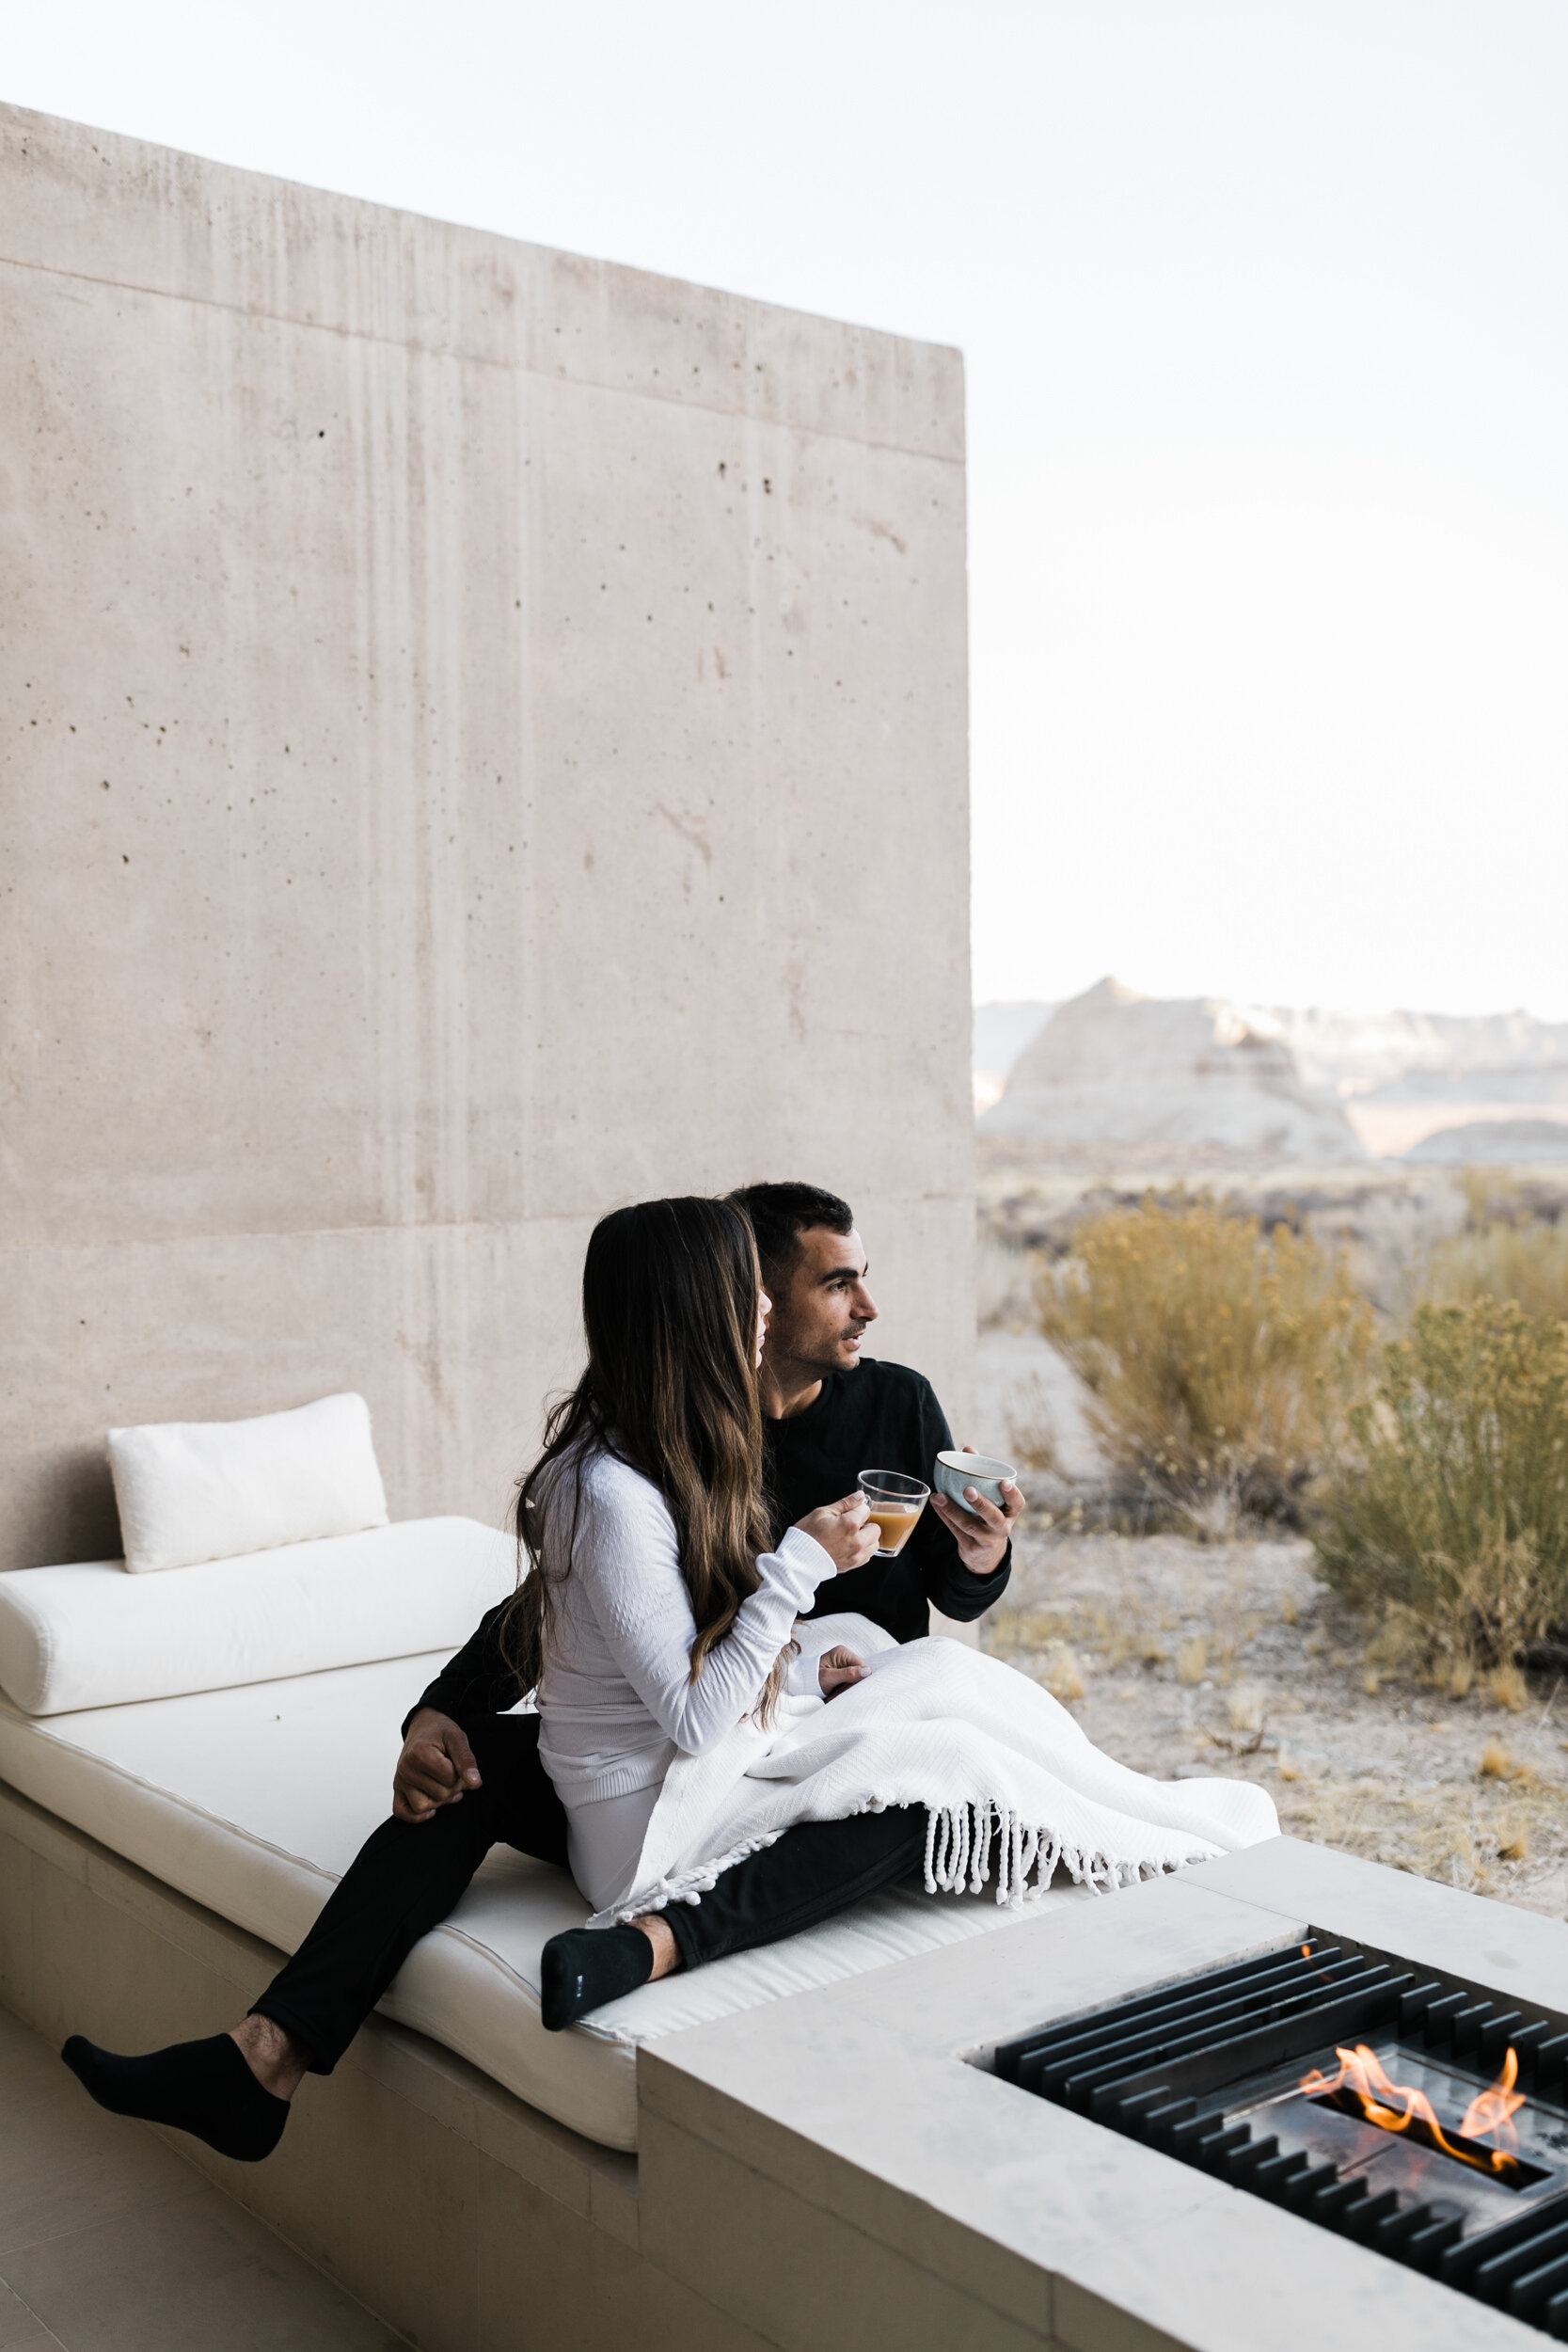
478,358
303,1232
331,1232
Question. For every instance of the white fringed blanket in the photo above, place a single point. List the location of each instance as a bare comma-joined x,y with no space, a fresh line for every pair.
1012,1787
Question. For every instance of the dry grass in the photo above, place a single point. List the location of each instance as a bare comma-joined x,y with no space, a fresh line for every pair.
1029,1629
1450,1521
1403,1775
1246,1708
1062,1675
1192,1661
1455,1837
1217,1359
1512,1257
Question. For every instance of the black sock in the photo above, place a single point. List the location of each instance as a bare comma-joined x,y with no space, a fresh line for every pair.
204,2088
588,1966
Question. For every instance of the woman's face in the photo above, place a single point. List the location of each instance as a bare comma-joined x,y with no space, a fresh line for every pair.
764,1308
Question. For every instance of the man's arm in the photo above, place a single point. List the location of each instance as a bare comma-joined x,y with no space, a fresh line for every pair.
478,1681
886,1591
964,1564
436,1765
932,1569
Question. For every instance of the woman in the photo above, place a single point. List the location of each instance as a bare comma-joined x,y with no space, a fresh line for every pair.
657,1617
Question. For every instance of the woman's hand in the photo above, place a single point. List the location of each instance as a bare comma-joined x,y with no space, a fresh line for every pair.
838,1668
845,1532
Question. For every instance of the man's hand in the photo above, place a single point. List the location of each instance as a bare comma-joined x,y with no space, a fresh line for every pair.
836,1669
435,1767
981,1539
845,1532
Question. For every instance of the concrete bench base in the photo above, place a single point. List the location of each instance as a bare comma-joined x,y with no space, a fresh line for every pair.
458,2214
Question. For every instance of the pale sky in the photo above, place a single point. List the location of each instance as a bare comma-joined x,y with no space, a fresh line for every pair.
1265,314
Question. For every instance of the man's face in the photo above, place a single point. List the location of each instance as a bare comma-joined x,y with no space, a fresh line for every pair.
817,1322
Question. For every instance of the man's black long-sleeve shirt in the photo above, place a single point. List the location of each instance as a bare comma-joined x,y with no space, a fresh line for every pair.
878,1417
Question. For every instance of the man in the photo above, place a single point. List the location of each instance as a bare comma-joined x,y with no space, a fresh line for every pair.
828,1414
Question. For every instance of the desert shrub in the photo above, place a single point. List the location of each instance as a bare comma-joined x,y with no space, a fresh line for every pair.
1218,1359
1514,1259
1449,1516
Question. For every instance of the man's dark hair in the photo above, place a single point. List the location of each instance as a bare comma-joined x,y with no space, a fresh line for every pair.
780,1213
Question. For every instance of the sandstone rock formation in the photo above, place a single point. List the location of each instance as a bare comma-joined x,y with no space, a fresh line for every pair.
1112,1068
1494,1143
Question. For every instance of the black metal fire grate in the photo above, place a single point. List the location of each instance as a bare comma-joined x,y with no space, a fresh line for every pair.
1211,2071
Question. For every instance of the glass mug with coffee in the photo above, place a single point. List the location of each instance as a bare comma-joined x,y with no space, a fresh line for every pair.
895,1502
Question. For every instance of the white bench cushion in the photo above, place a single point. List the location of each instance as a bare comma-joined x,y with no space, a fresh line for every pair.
86,1635
254,1801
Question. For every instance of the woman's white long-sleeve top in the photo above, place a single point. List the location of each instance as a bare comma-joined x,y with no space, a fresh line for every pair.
616,1698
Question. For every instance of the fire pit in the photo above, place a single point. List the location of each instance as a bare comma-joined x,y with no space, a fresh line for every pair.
1401,2107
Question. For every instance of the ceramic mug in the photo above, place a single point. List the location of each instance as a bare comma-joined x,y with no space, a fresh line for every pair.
953,1472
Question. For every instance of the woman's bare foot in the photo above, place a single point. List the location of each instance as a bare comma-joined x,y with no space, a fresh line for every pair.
667,1958
274,2056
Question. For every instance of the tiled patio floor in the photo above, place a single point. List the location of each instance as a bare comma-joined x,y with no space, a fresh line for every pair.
109,2243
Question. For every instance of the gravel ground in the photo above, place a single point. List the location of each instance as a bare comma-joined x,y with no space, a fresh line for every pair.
1231,1657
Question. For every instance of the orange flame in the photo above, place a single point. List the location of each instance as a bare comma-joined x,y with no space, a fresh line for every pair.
1362,2082
1491,2113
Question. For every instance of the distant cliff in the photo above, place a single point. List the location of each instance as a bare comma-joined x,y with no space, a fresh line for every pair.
1503,1055
1112,1068
1402,1078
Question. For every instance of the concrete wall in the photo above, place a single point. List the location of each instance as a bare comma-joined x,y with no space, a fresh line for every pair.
482,739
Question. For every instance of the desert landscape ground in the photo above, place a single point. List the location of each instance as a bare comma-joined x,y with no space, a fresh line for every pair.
1229,1654
1231,1658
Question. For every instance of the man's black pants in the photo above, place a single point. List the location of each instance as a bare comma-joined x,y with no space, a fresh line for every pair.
408,1875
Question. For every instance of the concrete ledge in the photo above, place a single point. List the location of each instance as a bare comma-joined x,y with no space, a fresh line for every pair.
456,2213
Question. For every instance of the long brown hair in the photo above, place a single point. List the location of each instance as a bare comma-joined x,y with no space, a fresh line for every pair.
669,1291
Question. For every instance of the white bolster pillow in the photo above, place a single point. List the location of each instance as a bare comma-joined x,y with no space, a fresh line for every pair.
88,1635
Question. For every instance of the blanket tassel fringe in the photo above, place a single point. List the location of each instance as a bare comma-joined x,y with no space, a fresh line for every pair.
959,1842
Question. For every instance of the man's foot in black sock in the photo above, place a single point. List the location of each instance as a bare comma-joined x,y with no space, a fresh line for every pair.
588,1966
204,2088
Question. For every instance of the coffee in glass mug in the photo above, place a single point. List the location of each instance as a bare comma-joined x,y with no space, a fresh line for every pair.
895,1504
